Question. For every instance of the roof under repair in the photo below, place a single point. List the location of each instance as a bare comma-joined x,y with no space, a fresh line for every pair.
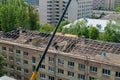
92,49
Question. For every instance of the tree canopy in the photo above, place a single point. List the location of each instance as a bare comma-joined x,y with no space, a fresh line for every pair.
46,28
79,29
93,33
117,9
16,13
111,32
63,23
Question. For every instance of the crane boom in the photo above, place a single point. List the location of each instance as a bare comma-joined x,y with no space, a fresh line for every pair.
34,75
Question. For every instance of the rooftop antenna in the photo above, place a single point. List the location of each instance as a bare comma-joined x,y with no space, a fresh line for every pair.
34,75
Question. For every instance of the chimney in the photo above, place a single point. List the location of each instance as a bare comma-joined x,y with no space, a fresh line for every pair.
83,40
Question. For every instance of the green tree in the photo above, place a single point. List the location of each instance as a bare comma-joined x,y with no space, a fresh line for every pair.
68,30
84,32
93,33
63,23
111,32
79,29
100,8
46,28
16,13
1,65
33,19
71,30
7,18
65,30
117,9
101,36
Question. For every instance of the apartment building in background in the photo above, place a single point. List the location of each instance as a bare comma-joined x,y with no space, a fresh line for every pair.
51,10
105,4
98,4
33,2
68,58
117,3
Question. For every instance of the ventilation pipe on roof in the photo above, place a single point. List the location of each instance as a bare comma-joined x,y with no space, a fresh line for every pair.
104,53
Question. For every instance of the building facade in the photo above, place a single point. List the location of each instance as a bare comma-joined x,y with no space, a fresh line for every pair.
51,10
117,3
105,4
33,2
68,58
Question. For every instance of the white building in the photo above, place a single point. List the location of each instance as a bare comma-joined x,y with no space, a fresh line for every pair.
51,10
6,78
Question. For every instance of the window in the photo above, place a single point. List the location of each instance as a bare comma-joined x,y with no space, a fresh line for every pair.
18,52
60,71
42,67
5,57
70,64
51,59
117,74
18,60
18,77
106,72
42,76
51,78
26,78
49,1
93,69
4,65
25,62
11,75
26,71
11,58
5,72
57,1
81,67
11,67
3,48
81,77
10,50
33,60
51,68
18,69
41,57
92,78
70,74
33,68
60,62
25,53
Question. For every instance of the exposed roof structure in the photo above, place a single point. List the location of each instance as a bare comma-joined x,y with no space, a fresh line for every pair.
76,47
112,16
